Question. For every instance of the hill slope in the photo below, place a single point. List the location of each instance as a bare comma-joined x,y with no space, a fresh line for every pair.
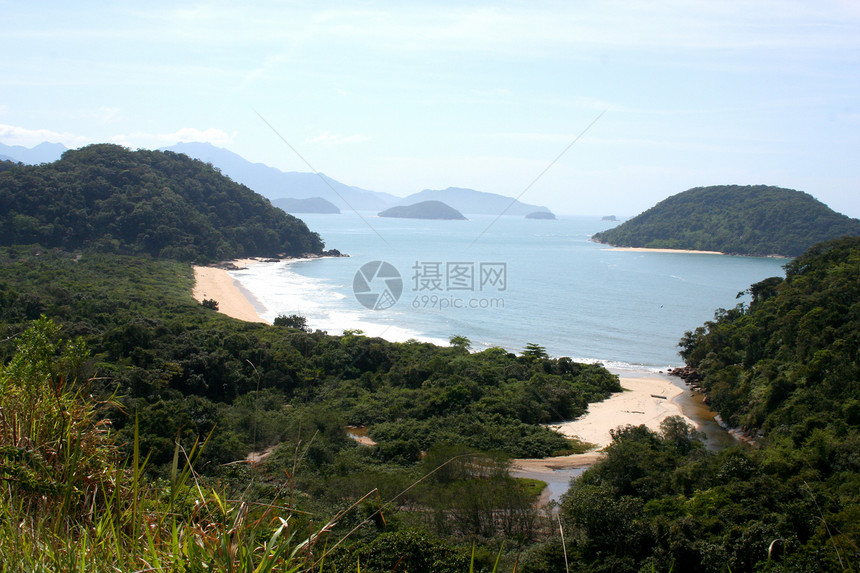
788,363
309,205
473,202
748,220
43,153
424,210
160,203
276,184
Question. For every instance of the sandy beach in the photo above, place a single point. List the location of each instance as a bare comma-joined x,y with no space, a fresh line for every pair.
645,400
679,251
216,284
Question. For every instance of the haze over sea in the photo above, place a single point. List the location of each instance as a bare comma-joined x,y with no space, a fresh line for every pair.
574,297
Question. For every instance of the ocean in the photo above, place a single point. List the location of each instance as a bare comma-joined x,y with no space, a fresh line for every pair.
507,282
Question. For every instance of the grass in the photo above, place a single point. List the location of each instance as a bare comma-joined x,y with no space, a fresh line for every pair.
68,504
532,487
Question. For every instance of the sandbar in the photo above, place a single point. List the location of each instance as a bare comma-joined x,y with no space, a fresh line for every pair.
645,400
678,251
216,284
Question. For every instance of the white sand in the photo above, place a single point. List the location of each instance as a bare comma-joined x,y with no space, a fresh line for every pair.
216,284
644,250
636,405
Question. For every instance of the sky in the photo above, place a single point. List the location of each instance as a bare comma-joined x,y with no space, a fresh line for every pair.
588,107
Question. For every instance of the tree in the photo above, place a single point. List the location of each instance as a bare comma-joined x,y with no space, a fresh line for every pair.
533,350
292,321
458,341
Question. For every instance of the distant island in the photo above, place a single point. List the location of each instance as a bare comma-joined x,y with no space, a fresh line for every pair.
474,202
424,210
609,218
309,205
547,215
756,220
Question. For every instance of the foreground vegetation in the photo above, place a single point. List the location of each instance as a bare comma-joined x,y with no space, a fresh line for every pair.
104,462
142,431
167,372
746,220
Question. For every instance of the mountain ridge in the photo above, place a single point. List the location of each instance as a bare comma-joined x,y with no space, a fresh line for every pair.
474,202
44,152
274,184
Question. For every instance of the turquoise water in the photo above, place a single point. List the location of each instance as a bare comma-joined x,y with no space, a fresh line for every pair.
572,296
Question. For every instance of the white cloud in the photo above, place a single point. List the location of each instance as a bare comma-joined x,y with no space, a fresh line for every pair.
326,138
15,135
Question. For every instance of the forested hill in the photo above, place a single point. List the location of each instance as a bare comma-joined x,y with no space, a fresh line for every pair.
108,198
747,220
788,363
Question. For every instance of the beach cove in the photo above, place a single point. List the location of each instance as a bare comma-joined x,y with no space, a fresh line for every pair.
648,398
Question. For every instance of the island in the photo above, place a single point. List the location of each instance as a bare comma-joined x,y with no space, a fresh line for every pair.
545,215
309,205
757,220
473,202
424,210
609,218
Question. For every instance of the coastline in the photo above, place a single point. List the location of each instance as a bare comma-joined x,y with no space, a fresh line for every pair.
637,404
233,299
647,399
677,251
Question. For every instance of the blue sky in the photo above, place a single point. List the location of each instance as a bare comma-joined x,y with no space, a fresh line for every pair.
403,96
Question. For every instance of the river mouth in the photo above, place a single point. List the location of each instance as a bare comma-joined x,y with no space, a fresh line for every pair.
692,405
557,473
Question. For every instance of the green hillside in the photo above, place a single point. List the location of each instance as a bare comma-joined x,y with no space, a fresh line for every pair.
108,198
788,363
747,220
786,369
128,412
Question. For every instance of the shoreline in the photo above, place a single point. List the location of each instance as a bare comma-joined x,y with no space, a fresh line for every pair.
637,404
647,398
233,299
676,251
